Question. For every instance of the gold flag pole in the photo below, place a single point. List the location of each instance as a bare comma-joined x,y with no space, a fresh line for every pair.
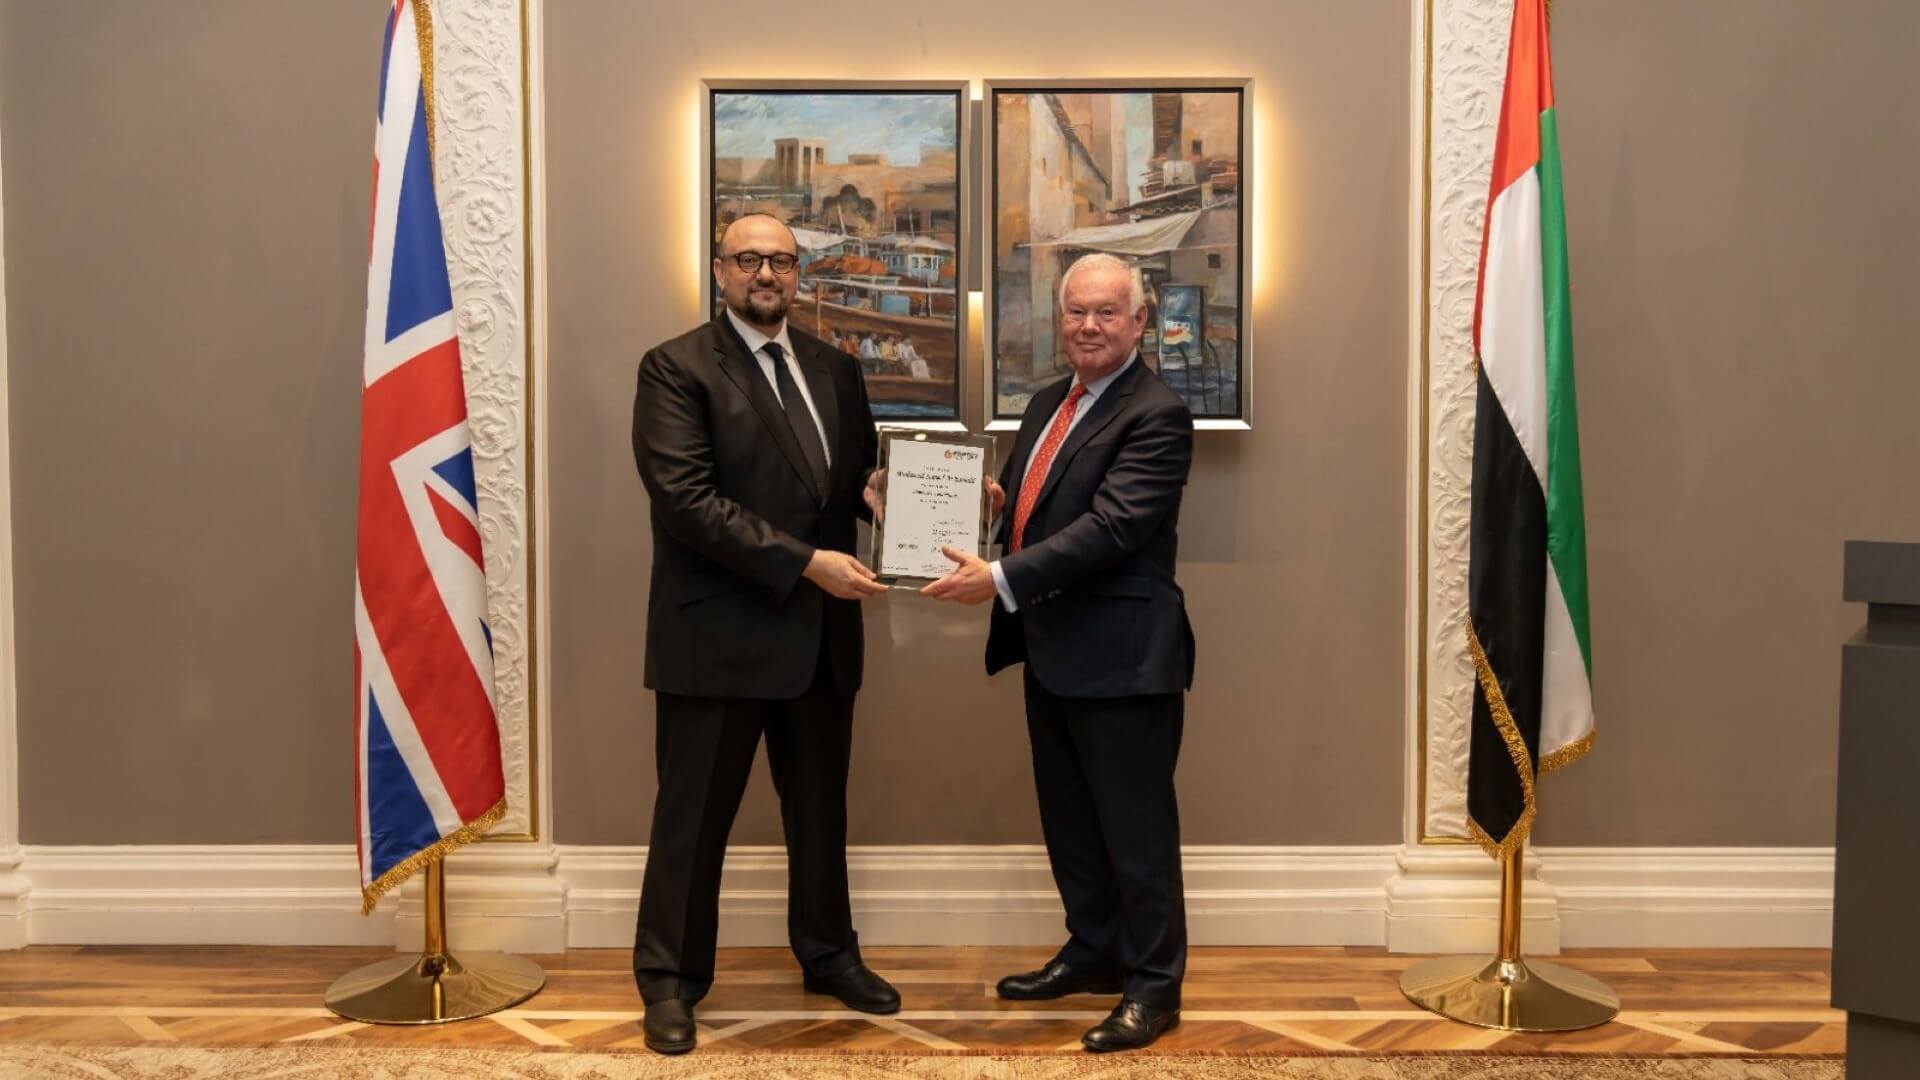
1508,992
435,987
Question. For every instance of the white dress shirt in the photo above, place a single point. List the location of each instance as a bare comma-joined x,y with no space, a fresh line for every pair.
756,342
1081,409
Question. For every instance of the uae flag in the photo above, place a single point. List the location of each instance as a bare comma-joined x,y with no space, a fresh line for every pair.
1527,588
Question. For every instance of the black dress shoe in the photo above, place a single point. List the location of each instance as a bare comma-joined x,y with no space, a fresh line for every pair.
857,988
1129,1026
1056,980
669,1027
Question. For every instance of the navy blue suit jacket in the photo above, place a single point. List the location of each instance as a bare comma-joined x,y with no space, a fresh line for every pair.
1099,612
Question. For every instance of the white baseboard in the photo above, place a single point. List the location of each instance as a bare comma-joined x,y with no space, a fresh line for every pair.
1446,899
499,896
1660,897
1003,895
538,899
198,895
13,899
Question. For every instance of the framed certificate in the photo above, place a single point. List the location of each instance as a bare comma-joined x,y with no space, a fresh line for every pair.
933,493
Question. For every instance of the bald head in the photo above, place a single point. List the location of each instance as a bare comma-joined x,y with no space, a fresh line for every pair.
751,230
761,295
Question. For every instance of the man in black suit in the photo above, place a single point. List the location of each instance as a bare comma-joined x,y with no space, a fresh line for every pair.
1086,598
754,442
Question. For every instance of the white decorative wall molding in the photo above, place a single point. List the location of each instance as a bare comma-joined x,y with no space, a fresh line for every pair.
512,897
293,894
1003,895
1705,897
499,896
1459,87
12,886
481,174
13,899
1446,899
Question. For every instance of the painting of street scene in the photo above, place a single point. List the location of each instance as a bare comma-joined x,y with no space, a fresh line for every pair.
869,182
1155,176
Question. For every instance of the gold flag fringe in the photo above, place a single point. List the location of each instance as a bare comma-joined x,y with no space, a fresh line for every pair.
412,864
1516,749
1566,755
423,32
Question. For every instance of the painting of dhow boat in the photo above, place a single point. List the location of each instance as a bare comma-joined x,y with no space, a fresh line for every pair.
868,177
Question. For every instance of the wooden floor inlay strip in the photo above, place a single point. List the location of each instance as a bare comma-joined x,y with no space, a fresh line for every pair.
147,1028
347,1028
1302,1035
528,1030
1689,1040
925,1038
1312,1004
738,1027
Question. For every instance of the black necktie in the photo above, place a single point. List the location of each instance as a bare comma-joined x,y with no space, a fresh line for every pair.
798,417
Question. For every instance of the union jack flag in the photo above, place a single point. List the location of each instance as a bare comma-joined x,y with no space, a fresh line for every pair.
428,775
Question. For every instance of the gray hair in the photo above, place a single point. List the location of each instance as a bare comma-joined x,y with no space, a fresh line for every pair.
1100,260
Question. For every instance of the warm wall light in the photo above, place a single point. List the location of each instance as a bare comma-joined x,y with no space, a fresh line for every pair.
695,196
1263,258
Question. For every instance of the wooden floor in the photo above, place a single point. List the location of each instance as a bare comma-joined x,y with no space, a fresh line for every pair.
1242,1000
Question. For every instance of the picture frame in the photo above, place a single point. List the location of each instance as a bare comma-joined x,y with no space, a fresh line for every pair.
933,488
872,177
1154,171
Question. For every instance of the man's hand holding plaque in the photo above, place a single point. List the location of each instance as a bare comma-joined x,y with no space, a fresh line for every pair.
969,582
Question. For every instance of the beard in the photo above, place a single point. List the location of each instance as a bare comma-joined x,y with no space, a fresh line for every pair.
765,309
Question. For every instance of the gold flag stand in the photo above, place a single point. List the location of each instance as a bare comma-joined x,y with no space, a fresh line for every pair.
1507,992
435,987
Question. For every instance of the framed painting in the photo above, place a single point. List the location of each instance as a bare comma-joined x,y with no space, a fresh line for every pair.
870,178
1153,171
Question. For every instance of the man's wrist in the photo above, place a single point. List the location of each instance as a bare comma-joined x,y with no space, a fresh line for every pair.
1000,586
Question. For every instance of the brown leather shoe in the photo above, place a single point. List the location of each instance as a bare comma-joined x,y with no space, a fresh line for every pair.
1130,1026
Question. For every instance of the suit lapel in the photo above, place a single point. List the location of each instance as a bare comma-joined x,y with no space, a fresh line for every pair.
1105,408
745,373
825,399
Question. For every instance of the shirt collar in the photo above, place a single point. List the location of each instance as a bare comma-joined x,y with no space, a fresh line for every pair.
757,339
1099,385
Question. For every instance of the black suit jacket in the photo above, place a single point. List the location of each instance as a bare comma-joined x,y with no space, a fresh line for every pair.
1100,614
736,517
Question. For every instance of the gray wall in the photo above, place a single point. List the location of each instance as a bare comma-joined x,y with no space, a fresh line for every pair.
1742,215
185,272
1292,535
186,238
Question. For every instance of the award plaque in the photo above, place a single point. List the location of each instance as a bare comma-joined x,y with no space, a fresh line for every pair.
932,492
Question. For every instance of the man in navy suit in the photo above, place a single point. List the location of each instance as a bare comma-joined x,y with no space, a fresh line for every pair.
1085,597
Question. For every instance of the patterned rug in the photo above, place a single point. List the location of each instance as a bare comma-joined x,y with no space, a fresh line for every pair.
353,1063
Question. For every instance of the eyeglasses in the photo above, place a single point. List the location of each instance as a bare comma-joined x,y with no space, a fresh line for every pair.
749,262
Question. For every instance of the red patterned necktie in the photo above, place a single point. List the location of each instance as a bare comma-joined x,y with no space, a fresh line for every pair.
1042,461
